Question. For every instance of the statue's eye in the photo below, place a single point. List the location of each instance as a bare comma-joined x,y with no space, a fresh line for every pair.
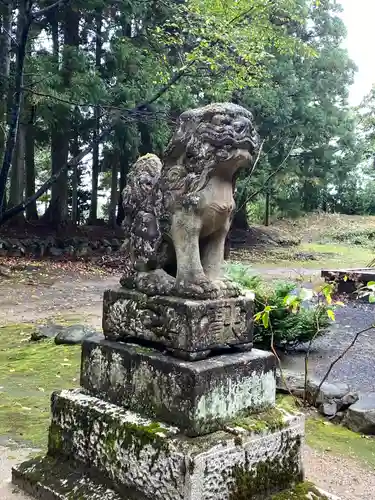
218,120
239,125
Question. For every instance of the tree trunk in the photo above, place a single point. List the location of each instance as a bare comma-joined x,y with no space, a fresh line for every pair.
61,134
114,194
75,179
31,210
267,207
5,46
23,28
18,169
124,167
95,153
240,220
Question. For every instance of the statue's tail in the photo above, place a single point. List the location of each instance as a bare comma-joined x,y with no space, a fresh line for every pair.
141,203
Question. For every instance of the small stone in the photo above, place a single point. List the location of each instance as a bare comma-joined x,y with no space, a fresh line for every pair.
348,400
55,252
290,381
360,417
328,409
328,391
46,332
75,334
338,418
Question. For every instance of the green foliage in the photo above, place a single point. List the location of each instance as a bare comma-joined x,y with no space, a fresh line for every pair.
360,236
312,141
282,58
275,317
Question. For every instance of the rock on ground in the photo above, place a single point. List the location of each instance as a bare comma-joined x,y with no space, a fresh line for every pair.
360,417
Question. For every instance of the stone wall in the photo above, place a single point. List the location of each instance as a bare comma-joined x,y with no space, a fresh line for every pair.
58,247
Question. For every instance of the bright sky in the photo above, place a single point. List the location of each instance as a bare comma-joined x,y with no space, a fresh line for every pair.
359,17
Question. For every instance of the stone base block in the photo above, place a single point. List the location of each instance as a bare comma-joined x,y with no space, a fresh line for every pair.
146,460
52,479
196,396
190,329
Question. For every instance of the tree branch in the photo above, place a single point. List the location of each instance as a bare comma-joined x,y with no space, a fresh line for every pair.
334,362
253,195
46,10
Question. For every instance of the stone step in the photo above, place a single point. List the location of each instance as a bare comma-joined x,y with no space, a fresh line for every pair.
159,463
196,396
50,479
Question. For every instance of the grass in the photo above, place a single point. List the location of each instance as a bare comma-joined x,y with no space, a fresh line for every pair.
327,240
336,439
325,255
29,373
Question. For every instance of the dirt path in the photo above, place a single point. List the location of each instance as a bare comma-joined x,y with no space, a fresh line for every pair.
339,475
71,294
8,458
68,295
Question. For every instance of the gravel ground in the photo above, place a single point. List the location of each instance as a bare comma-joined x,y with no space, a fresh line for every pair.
8,458
357,367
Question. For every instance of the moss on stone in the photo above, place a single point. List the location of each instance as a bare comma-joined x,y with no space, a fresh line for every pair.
270,420
55,438
287,403
268,476
142,349
303,491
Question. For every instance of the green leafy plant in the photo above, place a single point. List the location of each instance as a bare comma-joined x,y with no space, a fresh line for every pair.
280,307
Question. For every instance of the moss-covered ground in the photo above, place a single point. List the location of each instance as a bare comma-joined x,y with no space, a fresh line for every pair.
29,373
303,491
332,438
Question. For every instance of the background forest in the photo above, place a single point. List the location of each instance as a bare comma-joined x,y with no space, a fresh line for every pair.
88,86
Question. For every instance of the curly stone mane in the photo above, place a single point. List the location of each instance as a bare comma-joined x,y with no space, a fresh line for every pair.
194,180
204,137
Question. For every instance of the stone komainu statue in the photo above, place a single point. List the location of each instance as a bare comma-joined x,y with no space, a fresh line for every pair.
178,212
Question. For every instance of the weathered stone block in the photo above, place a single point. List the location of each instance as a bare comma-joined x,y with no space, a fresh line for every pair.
188,328
51,479
155,462
197,396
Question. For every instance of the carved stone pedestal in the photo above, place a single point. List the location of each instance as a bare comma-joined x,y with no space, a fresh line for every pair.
189,329
197,396
147,425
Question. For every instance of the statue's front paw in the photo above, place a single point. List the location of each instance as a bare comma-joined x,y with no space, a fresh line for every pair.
228,287
199,287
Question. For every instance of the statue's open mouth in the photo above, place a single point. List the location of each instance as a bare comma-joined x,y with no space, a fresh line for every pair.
241,141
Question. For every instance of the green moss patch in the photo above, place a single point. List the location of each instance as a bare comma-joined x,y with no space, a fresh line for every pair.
29,373
288,403
337,439
267,476
303,491
270,420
